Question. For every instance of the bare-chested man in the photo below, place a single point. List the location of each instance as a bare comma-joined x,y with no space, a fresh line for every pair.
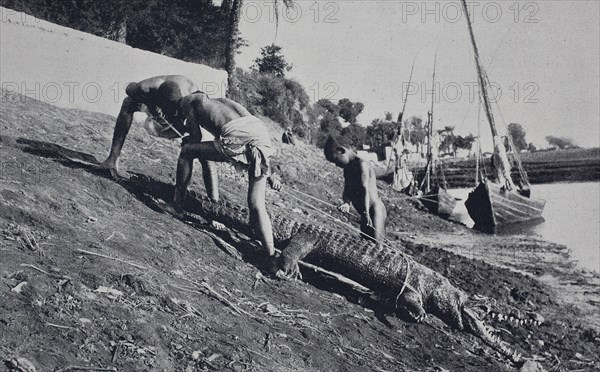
158,97
240,138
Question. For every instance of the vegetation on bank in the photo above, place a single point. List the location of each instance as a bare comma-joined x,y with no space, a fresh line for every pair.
202,32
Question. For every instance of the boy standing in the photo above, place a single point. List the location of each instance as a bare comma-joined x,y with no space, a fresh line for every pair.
360,188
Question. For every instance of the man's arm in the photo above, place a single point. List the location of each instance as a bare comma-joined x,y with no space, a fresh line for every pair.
192,124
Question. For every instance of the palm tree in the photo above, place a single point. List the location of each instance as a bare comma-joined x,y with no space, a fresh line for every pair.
447,139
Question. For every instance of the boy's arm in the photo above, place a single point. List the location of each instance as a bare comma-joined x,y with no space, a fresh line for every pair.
364,183
346,193
346,198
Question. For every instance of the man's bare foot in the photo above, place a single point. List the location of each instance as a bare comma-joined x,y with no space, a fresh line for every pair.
112,168
171,209
217,225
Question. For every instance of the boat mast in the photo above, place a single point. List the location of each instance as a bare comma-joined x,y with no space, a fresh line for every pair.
501,163
430,165
401,114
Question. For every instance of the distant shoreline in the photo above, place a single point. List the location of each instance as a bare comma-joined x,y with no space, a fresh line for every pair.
542,167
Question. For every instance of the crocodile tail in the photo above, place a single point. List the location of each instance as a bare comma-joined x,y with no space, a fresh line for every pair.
475,326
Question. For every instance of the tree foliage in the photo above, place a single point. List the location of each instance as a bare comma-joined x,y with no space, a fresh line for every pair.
380,134
328,124
447,140
356,134
465,143
85,15
281,99
350,110
417,132
191,30
271,61
561,142
517,134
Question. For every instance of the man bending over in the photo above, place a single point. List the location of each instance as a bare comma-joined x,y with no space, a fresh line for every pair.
240,138
159,98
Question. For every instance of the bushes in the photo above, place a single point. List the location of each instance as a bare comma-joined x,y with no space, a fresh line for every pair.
286,102
283,100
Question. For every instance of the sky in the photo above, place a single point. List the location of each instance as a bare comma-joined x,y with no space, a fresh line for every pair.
542,57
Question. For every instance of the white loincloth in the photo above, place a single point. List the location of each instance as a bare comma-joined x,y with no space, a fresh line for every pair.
246,142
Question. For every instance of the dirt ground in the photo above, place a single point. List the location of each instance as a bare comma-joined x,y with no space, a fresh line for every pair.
93,275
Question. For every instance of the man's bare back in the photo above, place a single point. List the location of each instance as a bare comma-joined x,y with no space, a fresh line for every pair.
158,96
211,114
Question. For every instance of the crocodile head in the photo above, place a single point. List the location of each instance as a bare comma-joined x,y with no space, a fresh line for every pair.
471,317
489,307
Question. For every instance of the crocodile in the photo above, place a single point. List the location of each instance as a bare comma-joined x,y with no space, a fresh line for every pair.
397,279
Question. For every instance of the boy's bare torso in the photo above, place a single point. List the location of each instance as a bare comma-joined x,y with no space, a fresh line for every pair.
353,187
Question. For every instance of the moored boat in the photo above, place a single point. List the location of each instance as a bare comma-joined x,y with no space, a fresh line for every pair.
433,190
500,201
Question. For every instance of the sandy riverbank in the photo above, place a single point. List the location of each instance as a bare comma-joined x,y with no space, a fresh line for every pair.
177,301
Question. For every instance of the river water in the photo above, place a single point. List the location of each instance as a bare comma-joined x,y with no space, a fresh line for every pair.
571,217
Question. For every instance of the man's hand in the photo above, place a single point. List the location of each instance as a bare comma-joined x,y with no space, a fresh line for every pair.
274,182
344,208
368,220
217,225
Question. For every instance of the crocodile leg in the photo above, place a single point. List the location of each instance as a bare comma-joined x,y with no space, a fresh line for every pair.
412,303
298,247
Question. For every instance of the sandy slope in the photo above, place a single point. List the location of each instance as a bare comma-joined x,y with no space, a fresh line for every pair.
179,302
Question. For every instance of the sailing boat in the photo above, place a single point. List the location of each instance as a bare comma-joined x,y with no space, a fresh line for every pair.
435,195
403,178
500,202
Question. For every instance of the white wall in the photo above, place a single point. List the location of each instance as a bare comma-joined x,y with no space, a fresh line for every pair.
72,69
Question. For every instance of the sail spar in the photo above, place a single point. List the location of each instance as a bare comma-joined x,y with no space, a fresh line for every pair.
500,158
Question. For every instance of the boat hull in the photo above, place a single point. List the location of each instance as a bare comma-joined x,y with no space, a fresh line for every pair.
439,201
491,206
